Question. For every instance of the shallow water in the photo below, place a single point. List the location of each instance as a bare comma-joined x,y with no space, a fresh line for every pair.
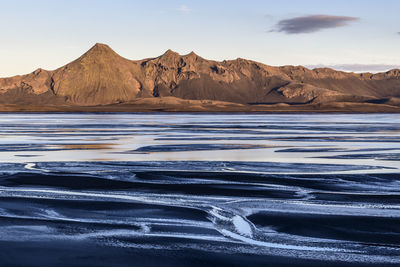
179,189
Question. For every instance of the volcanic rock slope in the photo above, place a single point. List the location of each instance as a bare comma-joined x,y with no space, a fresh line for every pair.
102,77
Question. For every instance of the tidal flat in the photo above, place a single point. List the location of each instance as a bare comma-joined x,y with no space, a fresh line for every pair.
180,189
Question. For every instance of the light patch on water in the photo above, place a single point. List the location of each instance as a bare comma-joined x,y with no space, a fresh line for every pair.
251,241
242,226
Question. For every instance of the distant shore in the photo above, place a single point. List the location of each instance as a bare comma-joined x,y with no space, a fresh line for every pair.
170,104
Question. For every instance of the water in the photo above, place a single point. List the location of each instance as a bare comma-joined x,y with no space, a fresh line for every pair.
198,189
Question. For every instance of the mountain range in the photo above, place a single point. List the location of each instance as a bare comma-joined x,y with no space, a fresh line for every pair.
102,80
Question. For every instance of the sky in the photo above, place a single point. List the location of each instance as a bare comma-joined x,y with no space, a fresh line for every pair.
351,35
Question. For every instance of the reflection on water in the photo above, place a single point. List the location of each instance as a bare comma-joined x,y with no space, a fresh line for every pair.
311,187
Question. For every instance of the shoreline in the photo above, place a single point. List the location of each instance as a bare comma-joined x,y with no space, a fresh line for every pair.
273,109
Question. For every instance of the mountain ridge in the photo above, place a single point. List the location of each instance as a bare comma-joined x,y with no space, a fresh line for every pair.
102,77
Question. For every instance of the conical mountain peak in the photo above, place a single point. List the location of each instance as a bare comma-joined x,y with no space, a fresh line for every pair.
100,50
99,76
169,57
169,52
192,54
101,47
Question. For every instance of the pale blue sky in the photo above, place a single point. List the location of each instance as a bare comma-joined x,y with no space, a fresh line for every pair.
49,33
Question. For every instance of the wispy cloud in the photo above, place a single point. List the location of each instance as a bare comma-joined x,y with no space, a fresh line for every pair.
312,23
268,16
357,67
184,9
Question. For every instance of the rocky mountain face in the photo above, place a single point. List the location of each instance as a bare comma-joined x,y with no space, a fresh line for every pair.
102,77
